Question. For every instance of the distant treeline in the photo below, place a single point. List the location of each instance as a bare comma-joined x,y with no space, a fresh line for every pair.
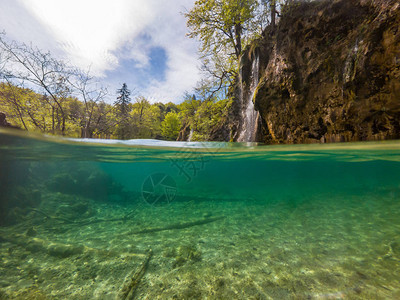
43,94
35,112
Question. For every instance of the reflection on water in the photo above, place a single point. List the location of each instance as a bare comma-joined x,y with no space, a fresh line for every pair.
222,220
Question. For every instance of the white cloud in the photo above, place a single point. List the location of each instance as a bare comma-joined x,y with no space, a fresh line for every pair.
20,25
103,33
90,30
169,32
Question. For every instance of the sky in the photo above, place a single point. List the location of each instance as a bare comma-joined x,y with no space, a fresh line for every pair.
141,43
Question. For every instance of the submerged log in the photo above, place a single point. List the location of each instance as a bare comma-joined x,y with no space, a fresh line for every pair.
130,286
182,225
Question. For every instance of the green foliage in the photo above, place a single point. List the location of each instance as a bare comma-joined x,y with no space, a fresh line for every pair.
187,110
209,117
171,125
224,28
102,124
52,109
145,119
31,111
220,24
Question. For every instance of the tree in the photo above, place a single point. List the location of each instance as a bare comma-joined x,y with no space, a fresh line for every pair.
270,6
57,83
140,117
170,126
25,108
103,124
223,28
210,116
10,96
122,114
29,64
4,57
220,24
88,90
187,110
123,100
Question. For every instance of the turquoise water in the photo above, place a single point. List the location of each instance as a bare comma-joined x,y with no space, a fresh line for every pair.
169,220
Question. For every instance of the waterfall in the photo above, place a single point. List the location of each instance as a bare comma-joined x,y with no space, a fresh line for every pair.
190,135
350,67
249,114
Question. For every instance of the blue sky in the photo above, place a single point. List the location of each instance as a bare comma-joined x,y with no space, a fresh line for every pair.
139,42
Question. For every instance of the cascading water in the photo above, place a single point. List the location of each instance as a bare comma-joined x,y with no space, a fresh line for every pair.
350,66
249,114
190,135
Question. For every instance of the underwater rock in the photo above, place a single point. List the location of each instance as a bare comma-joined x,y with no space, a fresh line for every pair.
100,184
35,245
16,203
25,197
169,252
3,295
207,215
395,248
91,184
2,285
73,210
64,183
64,250
185,254
14,216
31,232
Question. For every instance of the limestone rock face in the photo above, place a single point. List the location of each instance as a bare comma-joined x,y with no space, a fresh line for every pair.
330,73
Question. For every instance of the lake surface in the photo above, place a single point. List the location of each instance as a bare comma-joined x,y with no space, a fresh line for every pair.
149,219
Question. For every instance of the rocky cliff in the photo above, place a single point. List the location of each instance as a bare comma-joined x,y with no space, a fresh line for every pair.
329,73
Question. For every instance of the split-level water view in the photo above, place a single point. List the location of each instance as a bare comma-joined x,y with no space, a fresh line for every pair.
200,149
169,220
